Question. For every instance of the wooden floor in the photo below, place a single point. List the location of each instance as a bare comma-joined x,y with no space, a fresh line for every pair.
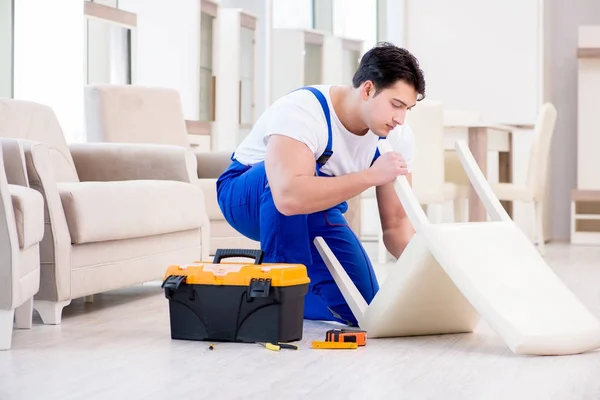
119,347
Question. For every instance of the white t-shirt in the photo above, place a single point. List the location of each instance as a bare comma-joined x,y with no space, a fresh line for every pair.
300,116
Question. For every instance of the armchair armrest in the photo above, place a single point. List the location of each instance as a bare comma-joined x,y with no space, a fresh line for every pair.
212,164
14,162
133,161
55,248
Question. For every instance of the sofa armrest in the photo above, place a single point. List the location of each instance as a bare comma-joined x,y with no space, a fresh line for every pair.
133,161
55,248
212,164
14,162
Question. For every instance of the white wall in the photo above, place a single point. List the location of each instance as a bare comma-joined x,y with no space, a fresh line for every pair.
292,14
5,48
49,56
566,18
168,47
479,54
356,19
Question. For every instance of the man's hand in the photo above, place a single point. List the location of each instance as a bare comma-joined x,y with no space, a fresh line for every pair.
387,167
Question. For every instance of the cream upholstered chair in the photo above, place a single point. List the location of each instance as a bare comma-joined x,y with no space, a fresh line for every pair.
429,177
115,215
141,114
21,231
534,189
426,120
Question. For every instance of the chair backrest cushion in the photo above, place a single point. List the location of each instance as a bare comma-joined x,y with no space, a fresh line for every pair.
540,150
134,114
21,119
426,120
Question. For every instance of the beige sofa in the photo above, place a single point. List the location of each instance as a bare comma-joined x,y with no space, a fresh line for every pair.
21,231
138,114
115,215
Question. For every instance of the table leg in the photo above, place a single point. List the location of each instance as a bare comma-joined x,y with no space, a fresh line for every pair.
505,172
479,147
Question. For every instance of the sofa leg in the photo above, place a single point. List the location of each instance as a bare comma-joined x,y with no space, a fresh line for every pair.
24,315
89,299
50,311
6,328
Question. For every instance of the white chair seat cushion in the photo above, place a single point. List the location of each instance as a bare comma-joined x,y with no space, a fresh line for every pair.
28,205
103,211
512,192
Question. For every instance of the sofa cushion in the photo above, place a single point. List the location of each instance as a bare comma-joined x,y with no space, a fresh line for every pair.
28,205
103,211
209,187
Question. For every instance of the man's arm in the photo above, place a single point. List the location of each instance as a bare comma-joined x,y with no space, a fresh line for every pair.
290,168
397,228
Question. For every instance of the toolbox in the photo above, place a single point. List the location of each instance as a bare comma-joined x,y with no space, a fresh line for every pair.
236,302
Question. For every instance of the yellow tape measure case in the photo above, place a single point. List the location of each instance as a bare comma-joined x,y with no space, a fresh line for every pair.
236,302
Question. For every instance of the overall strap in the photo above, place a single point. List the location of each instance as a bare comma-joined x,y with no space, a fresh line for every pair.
376,152
328,149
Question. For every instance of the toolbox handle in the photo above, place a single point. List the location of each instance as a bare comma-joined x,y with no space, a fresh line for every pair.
257,255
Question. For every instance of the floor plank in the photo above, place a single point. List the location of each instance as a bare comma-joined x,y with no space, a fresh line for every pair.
120,347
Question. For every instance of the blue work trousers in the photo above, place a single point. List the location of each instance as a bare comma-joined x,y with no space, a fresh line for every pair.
247,204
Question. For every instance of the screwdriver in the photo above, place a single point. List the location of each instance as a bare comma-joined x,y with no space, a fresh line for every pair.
279,346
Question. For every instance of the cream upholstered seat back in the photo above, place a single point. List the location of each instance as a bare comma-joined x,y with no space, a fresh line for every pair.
37,122
540,150
426,120
134,114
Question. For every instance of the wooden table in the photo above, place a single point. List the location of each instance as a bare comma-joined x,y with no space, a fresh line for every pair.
481,138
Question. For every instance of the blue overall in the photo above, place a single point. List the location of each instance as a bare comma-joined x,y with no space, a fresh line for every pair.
247,203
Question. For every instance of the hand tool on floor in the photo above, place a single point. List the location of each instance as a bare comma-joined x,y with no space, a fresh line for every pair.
334,345
279,346
346,336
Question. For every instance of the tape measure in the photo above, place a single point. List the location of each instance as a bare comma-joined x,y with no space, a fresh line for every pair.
333,345
347,336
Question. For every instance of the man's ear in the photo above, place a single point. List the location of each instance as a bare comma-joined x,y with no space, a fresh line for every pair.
367,89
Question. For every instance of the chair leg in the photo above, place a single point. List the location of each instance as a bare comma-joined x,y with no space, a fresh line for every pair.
50,311
24,315
6,328
539,226
435,213
459,210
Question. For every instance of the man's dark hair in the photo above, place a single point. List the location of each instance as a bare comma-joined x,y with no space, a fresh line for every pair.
385,64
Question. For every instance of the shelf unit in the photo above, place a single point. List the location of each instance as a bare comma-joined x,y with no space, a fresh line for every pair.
110,42
199,131
585,217
585,200
341,57
235,74
297,60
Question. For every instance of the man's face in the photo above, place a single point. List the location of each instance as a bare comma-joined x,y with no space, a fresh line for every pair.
386,110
